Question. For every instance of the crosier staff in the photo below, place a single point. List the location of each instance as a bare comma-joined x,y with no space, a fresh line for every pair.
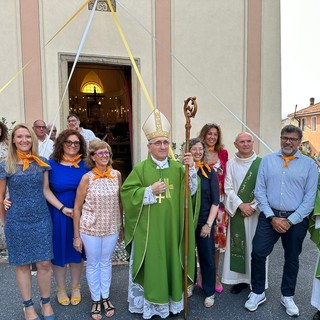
190,109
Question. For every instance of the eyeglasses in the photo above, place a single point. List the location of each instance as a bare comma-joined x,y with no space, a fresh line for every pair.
101,154
69,143
41,127
285,139
158,143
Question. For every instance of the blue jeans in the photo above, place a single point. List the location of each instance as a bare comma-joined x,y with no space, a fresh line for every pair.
262,245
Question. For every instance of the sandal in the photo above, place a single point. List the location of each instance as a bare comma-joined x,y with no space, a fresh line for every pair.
108,308
96,310
62,297
27,304
45,301
219,286
209,301
75,295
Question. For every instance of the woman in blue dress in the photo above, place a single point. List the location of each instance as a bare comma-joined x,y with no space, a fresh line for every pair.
27,222
67,169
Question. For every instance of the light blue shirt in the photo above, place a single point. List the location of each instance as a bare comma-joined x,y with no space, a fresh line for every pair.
287,189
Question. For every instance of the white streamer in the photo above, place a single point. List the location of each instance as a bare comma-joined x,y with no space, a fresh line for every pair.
74,64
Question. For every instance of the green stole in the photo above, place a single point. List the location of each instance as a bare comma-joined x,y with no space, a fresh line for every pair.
237,229
315,233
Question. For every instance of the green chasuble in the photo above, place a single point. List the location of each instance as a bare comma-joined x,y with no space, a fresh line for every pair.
157,231
237,228
315,233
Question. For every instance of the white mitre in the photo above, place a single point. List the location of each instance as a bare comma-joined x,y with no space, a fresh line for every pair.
157,125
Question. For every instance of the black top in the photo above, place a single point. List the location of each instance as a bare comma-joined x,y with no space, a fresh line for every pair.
210,194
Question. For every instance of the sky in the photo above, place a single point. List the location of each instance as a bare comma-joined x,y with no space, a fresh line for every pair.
300,53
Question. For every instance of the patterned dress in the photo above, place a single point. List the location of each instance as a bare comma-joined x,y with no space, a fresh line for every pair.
28,227
221,225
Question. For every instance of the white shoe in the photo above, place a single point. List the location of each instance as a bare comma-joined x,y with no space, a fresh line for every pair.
190,290
254,301
291,308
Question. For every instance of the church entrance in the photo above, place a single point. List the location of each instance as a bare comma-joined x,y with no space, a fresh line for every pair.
101,96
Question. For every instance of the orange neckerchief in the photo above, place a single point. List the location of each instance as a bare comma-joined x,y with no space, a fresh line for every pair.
201,164
27,158
210,149
100,174
74,160
287,159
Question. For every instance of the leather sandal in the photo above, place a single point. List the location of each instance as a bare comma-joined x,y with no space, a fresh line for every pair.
27,304
62,297
209,301
96,310
75,295
45,301
108,308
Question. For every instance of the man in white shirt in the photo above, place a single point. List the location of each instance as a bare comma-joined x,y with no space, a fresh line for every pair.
45,145
74,123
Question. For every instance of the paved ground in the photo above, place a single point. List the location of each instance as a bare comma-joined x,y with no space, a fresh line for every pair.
227,306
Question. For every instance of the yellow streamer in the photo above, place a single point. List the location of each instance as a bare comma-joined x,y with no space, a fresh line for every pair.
69,20
134,65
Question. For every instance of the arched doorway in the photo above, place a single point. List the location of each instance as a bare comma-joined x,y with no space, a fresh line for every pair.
101,96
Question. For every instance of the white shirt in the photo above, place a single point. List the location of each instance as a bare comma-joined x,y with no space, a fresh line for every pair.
45,147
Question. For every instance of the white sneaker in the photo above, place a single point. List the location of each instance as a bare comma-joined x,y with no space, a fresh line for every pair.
190,290
254,301
291,308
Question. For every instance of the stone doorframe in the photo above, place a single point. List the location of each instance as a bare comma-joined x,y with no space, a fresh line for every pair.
65,58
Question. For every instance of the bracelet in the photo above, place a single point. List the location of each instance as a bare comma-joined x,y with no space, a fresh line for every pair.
76,238
208,225
61,209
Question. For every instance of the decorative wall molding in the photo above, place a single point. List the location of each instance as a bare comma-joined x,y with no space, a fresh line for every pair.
102,5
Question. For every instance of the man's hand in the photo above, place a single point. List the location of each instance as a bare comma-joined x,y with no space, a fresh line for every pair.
246,209
158,187
188,159
281,225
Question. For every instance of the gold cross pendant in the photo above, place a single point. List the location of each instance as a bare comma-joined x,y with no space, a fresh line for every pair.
160,197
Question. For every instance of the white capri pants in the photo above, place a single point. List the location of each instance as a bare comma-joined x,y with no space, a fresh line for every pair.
99,251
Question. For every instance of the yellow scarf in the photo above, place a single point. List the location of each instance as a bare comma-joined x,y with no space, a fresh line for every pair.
73,161
201,164
100,174
27,158
287,159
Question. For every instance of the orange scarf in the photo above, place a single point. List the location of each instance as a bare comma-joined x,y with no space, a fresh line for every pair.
211,149
27,159
100,174
73,161
201,164
287,159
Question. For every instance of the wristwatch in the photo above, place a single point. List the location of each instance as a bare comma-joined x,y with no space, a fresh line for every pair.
290,223
270,218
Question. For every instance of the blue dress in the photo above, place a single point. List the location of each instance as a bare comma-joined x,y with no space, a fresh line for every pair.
64,181
28,227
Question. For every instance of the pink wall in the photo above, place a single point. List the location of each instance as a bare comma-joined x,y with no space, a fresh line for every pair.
30,46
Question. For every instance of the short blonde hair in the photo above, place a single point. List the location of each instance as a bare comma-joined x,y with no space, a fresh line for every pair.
93,147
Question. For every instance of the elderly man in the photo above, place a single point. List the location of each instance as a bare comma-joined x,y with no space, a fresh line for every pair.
74,123
239,202
286,189
153,201
44,143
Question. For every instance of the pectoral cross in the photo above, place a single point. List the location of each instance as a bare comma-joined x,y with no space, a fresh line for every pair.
169,187
160,197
